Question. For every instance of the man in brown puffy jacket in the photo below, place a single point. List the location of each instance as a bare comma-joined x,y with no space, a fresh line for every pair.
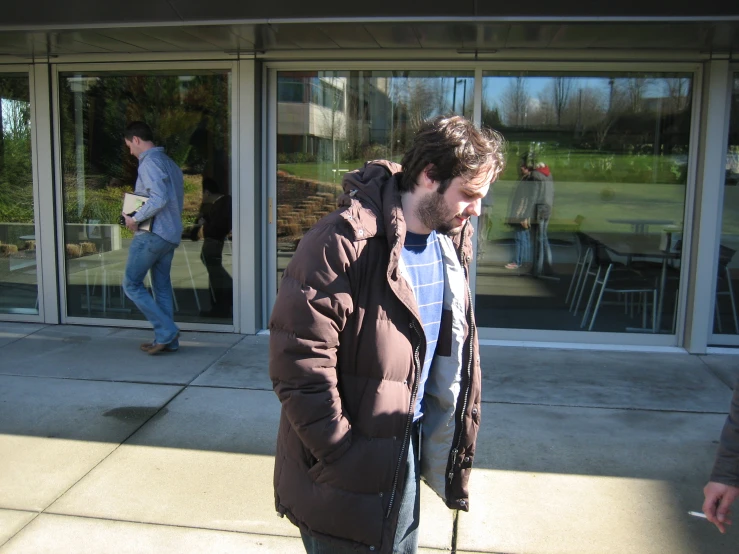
373,347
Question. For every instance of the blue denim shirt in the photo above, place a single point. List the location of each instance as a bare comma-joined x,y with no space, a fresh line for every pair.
160,179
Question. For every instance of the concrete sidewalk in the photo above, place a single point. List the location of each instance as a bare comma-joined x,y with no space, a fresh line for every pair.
105,449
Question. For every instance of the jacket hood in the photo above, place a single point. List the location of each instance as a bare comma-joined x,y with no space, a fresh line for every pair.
372,199
371,194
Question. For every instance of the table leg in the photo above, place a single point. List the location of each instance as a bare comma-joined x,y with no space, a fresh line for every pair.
661,296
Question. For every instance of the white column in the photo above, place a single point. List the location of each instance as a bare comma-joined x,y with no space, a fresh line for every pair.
247,194
49,276
708,201
477,120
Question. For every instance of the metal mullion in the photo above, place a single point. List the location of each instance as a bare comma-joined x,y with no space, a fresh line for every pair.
61,258
477,120
137,59
708,202
389,65
691,192
548,66
722,339
577,339
246,214
44,196
271,170
455,56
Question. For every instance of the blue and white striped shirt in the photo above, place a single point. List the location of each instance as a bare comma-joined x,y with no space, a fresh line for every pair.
424,266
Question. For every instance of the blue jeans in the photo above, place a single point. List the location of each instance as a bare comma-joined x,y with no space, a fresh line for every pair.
151,252
542,249
406,535
523,246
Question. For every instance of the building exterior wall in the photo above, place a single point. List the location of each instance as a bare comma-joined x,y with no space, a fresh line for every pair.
694,328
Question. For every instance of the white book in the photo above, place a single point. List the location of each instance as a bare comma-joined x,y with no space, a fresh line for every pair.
132,203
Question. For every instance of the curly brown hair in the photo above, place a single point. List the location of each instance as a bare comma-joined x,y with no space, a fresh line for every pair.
454,147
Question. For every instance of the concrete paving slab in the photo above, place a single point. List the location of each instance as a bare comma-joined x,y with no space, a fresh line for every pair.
654,381
53,431
11,332
208,463
725,366
575,514
245,366
437,521
12,521
591,481
110,354
56,534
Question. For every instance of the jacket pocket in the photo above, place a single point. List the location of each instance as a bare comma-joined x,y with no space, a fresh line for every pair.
444,345
366,467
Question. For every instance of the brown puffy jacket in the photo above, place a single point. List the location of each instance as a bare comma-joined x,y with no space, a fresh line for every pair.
345,348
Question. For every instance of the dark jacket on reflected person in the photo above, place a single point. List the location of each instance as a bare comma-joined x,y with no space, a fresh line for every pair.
726,466
521,205
345,348
543,192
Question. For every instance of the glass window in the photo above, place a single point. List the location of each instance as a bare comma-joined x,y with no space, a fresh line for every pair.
190,115
18,280
725,320
349,117
583,230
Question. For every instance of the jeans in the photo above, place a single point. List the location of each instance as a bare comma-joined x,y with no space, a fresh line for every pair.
523,245
542,250
151,252
406,535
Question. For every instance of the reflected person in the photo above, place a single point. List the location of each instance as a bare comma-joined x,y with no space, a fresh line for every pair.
215,221
520,209
540,176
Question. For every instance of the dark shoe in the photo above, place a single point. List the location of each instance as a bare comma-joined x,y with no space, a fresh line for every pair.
155,348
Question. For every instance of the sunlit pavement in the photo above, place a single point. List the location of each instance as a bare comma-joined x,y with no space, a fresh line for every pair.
105,449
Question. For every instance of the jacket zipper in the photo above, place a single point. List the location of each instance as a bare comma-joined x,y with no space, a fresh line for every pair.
455,450
471,337
417,362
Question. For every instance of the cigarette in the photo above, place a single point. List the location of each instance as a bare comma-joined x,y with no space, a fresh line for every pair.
698,514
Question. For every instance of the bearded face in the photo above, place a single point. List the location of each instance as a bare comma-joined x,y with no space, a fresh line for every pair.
435,213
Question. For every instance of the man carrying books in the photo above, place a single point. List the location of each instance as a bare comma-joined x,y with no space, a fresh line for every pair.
159,180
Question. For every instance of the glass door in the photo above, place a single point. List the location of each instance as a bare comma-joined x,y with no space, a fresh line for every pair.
18,259
189,112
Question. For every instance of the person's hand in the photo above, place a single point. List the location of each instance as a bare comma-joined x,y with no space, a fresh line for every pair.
525,223
717,505
131,225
